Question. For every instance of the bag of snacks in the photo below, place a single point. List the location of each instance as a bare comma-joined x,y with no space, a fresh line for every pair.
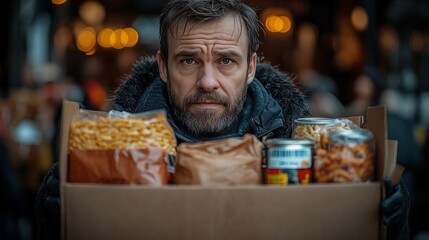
120,148
228,161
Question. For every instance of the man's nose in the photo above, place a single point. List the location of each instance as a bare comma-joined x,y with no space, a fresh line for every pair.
207,79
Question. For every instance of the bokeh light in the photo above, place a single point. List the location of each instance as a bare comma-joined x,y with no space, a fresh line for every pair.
359,18
277,20
118,39
388,39
307,36
103,38
86,40
287,24
280,24
58,2
92,51
92,12
417,41
133,37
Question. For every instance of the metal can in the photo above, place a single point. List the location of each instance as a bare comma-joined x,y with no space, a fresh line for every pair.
288,161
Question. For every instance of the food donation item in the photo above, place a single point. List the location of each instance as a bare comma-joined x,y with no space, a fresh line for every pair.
309,129
227,161
336,125
119,147
288,161
349,157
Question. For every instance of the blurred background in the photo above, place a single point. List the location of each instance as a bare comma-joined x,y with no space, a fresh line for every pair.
344,55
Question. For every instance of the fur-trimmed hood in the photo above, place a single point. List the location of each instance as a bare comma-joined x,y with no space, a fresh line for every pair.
278,84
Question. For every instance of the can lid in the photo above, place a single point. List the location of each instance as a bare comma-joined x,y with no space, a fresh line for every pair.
288,142
354,136
314,120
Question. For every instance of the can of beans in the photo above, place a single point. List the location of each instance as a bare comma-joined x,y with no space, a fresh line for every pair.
288,161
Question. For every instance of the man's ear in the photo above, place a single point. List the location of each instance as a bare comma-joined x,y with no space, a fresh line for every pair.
162,66
252,69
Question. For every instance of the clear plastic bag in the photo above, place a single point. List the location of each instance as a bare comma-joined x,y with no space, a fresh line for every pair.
335,126
120,147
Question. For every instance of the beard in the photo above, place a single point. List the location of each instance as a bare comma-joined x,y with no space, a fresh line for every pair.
206,121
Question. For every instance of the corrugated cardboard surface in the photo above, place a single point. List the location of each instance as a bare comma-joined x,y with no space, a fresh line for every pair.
315,211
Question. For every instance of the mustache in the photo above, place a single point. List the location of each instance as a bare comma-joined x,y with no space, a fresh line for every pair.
204,97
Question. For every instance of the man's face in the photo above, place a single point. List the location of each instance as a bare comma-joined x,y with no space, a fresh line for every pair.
207,73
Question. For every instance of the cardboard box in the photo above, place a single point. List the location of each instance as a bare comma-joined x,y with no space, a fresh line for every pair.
313,211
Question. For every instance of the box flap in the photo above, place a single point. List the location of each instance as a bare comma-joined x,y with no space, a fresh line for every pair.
69,109
376,122
393,170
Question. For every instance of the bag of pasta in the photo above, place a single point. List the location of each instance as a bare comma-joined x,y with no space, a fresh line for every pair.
120,148
220,162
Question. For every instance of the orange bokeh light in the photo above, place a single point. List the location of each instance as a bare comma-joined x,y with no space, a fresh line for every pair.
281,24
118,39
58,2
86,40
103,38
133,37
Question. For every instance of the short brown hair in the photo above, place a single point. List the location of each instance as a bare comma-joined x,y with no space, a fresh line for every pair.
199,11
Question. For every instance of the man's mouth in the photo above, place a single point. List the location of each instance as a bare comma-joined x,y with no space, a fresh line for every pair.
207,105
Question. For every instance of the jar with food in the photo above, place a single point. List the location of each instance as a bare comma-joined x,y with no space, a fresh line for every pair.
349,157
335,126
288,161
309,129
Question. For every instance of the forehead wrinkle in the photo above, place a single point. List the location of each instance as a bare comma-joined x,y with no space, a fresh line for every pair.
216,47
231,53
184,26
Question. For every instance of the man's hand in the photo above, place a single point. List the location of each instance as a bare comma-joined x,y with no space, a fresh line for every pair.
391,207
52,200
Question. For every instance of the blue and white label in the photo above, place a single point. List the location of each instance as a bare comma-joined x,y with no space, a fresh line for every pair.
289,158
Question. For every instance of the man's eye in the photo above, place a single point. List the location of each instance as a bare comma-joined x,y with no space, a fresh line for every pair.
188,61
226,61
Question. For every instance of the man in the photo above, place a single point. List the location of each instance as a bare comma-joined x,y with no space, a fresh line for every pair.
207,78
207,65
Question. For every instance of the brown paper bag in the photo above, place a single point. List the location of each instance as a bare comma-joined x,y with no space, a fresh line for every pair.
229,161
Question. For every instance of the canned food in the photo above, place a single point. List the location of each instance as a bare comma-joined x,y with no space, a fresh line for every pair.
288,161
349,158
309,128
